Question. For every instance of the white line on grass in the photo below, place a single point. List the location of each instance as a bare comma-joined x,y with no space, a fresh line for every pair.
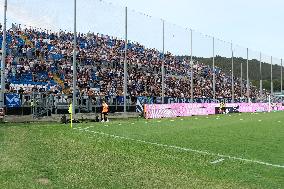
217,161
190,150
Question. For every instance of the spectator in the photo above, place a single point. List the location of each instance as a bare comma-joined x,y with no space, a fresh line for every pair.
43,61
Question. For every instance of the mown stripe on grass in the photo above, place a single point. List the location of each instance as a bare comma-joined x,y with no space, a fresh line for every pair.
185,149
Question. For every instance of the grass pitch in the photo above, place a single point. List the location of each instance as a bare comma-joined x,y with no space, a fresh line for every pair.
226,151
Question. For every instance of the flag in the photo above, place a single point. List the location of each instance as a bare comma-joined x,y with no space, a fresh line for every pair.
70,112
70,109
14,27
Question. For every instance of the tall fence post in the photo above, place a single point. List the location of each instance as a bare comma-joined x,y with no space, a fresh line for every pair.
125,64
214,89
191,68
3,61
271,77
248,85
260,74
241,79
163,65
281,76
233,87
74,61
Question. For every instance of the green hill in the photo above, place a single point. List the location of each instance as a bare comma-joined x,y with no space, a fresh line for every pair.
254,69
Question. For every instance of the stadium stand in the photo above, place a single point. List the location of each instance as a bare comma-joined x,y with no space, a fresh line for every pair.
42,61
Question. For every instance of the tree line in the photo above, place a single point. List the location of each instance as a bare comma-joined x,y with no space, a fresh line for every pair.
240,67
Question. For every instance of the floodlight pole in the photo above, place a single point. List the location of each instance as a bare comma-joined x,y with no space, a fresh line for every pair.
74,61
125,65
3,61
191,68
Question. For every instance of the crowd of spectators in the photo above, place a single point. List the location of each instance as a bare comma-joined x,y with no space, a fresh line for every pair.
35,57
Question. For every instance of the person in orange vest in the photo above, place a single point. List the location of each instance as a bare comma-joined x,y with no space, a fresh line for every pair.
104,112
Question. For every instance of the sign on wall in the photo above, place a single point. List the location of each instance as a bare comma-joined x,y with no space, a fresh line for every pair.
12,100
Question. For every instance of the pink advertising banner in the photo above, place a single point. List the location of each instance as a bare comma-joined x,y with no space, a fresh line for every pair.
189,109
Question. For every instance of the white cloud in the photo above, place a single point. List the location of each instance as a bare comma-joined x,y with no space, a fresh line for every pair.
22,15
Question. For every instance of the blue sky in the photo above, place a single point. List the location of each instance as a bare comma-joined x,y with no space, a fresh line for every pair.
256,24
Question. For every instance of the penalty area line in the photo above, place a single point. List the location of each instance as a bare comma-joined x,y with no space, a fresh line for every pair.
188,149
